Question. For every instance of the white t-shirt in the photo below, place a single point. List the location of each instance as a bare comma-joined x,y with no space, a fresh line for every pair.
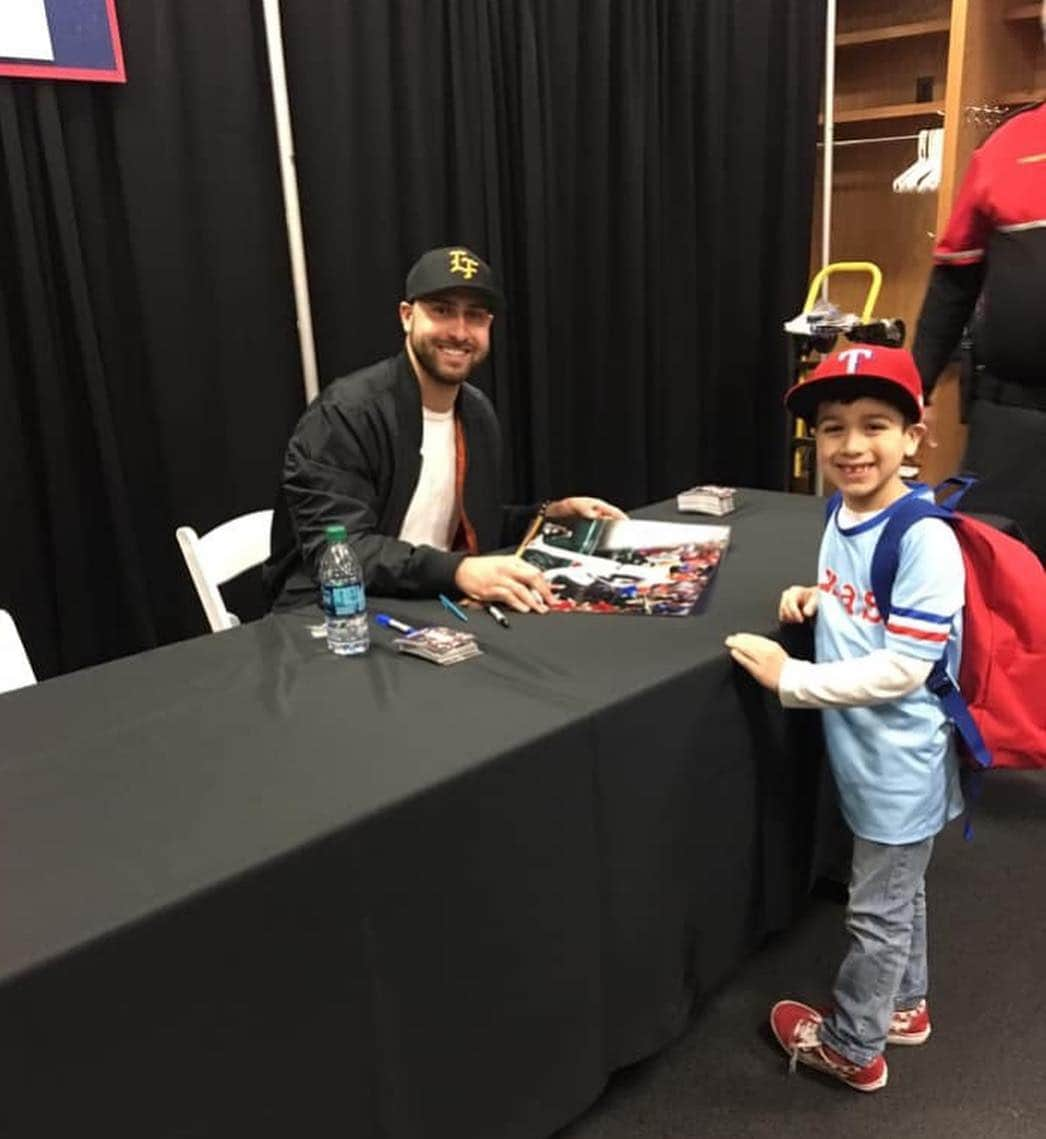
432,512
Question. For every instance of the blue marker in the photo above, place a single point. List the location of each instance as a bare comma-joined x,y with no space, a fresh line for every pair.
392,623
450,607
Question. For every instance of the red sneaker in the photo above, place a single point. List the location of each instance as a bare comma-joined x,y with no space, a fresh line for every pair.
798,1031
907,1026
910,1026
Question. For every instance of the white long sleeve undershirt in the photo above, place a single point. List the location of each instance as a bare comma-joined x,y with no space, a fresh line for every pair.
877,678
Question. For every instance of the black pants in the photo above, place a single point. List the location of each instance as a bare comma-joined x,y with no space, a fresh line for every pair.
1006,449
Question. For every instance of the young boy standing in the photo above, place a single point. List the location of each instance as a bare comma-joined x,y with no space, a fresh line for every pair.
890,747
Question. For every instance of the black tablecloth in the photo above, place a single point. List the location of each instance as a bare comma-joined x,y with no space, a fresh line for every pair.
250,888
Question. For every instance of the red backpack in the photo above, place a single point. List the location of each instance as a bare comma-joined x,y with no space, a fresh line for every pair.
999,706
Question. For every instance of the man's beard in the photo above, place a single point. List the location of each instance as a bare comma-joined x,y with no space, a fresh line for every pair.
427,356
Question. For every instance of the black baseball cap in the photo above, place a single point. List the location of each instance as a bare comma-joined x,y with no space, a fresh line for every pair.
453,267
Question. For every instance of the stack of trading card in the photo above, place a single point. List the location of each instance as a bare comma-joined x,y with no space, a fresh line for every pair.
707,500
439,645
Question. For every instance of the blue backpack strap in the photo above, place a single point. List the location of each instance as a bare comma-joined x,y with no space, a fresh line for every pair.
971,781
885,560
957,710
956,486
887,553
832,505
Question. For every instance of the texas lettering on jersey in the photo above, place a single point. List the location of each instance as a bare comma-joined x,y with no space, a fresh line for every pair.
856,602
859,603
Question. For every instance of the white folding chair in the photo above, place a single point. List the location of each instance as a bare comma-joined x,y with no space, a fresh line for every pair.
222,554
15,669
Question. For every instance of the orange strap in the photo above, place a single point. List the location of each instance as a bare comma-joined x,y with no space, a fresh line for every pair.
465,536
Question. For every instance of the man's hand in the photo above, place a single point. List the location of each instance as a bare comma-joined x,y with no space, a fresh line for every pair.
760,656
582,506
506,579
797,603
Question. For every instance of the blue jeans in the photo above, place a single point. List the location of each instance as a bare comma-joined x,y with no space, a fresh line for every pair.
885,966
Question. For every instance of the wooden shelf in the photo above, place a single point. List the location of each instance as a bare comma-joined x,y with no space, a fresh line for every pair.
1016,98
890,52
895,32
891,111
1024,12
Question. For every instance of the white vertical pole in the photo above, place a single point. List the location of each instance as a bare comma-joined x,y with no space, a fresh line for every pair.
826,179
292,210
829,141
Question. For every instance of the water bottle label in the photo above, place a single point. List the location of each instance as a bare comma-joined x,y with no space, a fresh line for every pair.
343,600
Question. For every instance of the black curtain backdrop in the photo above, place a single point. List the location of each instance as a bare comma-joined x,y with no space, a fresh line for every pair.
148,363
638,171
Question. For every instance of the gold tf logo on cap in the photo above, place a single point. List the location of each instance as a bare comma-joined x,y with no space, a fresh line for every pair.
461,261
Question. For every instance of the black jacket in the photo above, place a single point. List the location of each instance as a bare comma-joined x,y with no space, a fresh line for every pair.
354,458
994,248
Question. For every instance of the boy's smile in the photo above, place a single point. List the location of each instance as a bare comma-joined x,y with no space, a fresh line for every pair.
860,448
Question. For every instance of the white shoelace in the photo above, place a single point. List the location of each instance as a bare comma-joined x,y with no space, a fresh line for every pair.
806,1038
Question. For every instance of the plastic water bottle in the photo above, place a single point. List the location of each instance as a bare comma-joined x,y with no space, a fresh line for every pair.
344,602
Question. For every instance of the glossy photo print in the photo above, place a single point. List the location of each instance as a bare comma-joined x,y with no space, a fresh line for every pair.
636,567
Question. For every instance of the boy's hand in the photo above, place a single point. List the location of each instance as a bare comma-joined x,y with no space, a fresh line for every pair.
797,603
760,656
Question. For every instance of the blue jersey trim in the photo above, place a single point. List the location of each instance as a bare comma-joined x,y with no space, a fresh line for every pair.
916,489
921,615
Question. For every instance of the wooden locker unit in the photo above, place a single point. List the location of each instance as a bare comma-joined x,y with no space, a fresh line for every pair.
901,66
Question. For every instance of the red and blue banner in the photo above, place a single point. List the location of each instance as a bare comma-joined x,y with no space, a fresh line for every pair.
61,39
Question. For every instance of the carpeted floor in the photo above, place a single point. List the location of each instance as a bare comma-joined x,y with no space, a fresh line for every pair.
981,1074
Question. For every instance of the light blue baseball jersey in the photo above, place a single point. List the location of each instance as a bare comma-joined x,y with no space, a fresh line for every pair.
895,764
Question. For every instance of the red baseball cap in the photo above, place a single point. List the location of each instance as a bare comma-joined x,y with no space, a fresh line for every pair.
888,374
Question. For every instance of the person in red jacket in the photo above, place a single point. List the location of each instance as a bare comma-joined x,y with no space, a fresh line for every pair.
989,277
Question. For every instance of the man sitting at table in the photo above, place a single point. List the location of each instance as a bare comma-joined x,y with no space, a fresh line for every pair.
406,455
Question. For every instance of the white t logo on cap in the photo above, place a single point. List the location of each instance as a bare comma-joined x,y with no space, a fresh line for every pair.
853,357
